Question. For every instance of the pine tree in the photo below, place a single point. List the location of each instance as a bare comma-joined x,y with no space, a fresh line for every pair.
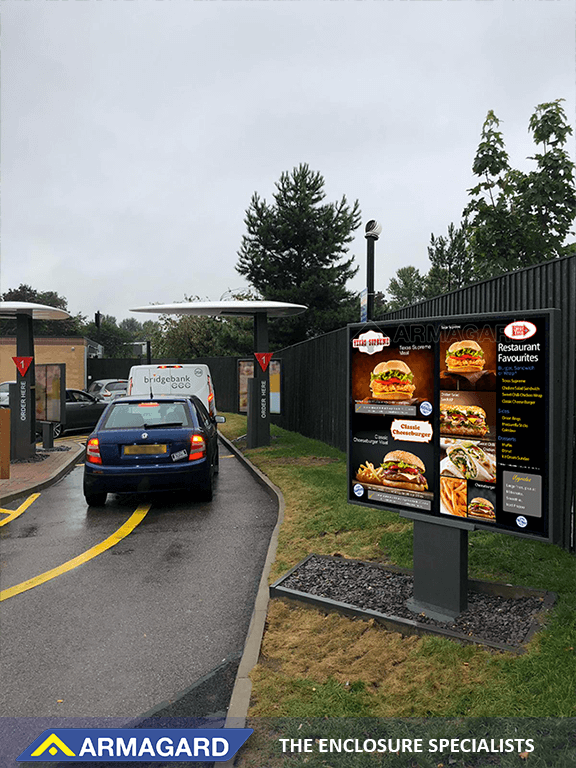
451,264
294,251
406,288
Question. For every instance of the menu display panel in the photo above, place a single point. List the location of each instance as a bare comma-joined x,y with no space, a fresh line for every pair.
451,418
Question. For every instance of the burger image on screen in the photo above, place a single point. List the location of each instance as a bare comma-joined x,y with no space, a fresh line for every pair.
468,420
392,381
401,469
482,509
464,357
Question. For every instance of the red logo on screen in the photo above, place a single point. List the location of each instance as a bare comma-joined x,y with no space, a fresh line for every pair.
520,330
23,363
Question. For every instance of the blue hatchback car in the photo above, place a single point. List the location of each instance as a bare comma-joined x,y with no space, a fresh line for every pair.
152,444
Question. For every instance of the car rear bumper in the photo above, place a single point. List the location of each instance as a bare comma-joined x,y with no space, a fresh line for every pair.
100,478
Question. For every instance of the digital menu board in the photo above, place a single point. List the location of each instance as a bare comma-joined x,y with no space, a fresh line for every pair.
450,418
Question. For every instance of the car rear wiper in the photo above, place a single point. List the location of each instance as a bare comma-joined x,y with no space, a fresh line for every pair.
166,424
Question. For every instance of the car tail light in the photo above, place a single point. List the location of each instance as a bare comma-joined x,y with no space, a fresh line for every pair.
93,451
197,447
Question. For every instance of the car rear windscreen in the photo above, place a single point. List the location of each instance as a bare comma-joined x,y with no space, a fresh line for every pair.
148,415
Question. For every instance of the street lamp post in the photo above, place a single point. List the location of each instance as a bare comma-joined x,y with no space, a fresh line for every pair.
372,233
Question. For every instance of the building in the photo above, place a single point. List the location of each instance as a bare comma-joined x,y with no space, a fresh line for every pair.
73,351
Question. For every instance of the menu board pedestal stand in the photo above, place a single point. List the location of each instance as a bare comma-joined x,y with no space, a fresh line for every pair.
440,567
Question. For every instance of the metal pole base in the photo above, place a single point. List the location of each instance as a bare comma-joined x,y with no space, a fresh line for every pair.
47,434
258,426
440,570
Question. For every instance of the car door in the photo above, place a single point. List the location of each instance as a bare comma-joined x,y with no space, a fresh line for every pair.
82,410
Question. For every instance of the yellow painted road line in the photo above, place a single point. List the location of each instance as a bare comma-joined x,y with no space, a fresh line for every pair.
134,520
14,513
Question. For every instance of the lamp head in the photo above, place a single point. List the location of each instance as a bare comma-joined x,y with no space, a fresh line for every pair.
373,229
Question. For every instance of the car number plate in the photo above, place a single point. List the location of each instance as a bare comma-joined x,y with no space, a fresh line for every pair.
137,450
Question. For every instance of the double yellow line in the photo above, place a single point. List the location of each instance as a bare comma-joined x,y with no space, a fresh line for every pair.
14,513
134,520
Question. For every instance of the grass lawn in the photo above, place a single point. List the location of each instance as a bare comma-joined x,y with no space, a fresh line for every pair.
315,666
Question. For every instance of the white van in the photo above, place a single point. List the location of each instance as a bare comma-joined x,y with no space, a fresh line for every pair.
173,380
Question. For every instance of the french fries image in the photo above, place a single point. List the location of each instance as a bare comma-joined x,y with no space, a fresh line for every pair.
368,473
453,495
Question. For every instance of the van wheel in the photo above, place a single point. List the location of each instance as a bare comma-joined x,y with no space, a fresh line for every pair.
57,430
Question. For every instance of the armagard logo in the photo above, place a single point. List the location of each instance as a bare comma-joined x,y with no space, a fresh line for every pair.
114,745
54,745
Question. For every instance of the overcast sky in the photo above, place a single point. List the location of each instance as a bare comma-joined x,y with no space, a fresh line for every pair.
134,133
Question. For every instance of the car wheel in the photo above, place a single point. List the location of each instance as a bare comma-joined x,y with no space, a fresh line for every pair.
95,499
57,430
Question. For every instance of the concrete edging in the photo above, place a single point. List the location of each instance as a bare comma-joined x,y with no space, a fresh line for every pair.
240,699
56,475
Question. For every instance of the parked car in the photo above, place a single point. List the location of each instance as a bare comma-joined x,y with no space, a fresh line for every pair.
82,412
108,389
168,443
4,393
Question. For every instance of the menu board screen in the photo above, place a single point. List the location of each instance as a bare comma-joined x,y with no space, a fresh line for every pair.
451,419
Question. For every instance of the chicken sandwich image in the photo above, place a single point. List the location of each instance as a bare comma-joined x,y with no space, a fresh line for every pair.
392,381
464,357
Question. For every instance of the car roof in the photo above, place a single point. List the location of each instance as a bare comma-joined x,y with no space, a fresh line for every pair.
155,399
107,381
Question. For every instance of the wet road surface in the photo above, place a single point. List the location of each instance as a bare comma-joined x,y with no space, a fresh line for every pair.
133,629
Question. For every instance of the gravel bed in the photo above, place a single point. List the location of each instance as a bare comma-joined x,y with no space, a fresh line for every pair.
491,618
31,459
41,454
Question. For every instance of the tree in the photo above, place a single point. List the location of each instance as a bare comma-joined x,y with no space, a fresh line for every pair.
294,251
517,219
406,288
187,336
381,305
451,263
114,340
70,327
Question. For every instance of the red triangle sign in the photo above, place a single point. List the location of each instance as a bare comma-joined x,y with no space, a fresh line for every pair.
23,363
263,358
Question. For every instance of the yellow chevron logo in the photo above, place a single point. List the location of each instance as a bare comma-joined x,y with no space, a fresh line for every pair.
57,744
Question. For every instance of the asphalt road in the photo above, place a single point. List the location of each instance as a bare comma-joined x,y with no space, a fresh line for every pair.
143,625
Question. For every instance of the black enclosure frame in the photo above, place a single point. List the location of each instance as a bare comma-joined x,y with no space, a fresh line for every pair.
551,501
